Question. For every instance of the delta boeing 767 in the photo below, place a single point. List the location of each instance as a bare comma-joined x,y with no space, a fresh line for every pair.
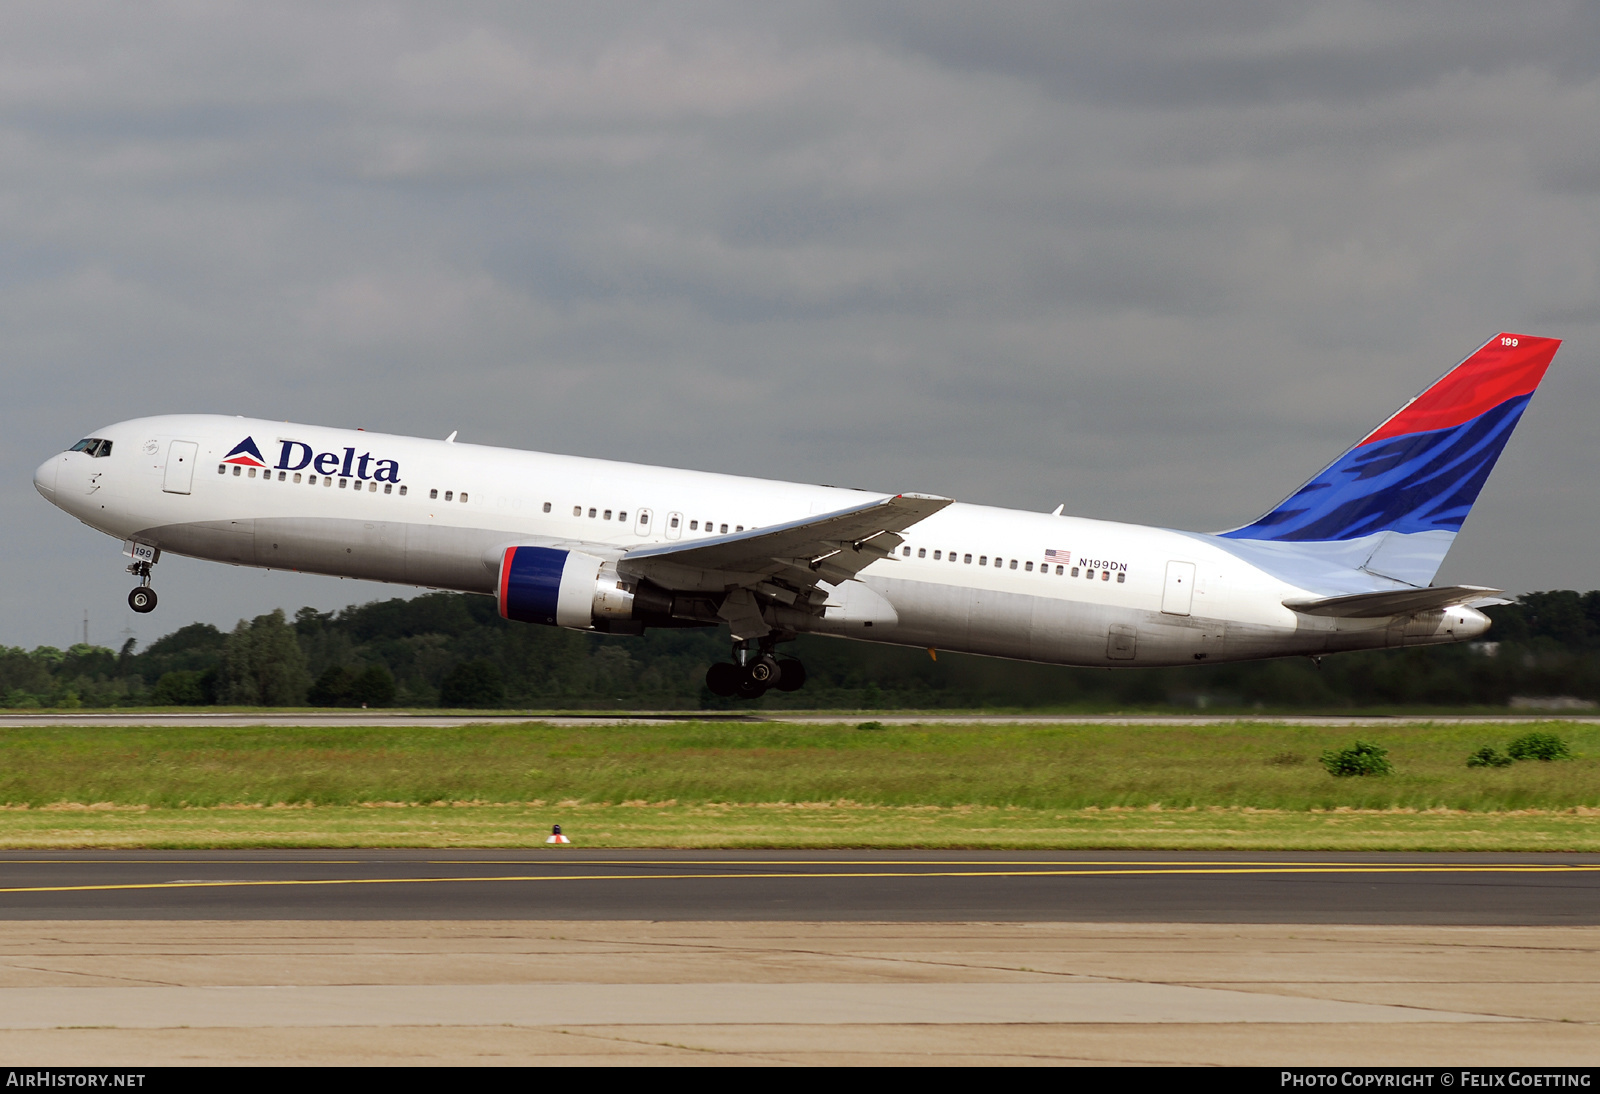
1344,563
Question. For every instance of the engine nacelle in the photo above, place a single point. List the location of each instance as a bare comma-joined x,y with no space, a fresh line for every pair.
574,589
545,585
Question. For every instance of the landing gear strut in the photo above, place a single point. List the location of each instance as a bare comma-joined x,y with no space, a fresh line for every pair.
757,669
143,598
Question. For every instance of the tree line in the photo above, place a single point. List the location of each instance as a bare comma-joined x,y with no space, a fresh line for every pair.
454,650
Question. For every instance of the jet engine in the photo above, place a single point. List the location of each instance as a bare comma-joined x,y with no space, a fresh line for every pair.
574,589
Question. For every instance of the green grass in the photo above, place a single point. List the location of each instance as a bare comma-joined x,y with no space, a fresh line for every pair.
1242,785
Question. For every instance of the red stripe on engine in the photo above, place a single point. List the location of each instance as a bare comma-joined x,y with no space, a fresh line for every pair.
1497,372
505,579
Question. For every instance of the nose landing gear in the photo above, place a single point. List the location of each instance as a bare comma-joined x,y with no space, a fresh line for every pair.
143,598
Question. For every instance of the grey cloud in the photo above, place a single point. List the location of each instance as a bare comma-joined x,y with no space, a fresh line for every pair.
1173,55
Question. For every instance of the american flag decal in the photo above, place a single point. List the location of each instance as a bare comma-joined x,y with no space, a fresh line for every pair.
1055,555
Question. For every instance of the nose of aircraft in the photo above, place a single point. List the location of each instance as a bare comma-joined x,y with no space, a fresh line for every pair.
44,479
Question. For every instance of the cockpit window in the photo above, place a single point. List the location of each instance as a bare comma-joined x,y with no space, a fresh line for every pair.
94,446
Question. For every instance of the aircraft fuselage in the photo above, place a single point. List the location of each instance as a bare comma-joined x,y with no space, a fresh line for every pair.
971,578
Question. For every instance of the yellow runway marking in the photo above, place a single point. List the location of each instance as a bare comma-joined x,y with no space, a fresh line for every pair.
797,876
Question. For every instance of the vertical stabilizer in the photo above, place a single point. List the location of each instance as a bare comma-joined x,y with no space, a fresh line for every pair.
1392,505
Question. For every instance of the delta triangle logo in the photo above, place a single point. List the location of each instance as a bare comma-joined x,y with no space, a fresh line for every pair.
245,454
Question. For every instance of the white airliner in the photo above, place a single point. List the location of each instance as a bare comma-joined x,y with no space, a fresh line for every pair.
1344,563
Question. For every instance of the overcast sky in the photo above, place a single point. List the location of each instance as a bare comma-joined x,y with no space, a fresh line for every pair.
1158,261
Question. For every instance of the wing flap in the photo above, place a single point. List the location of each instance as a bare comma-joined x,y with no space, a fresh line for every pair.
1392,602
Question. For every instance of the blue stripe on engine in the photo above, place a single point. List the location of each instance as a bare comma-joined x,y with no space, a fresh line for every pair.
1420,482
534,584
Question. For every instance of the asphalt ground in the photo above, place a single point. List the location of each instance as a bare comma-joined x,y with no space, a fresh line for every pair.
567,883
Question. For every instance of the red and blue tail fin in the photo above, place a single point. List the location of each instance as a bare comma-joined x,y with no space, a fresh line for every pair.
1408,485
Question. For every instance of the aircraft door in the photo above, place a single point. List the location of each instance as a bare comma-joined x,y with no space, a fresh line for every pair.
1178,595
674,527
1122,642
179,477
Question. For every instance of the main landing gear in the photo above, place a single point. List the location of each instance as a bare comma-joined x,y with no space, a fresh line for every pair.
143,598
757,670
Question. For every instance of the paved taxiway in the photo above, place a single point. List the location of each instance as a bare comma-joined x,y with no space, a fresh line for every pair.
561,955
571,884
120,993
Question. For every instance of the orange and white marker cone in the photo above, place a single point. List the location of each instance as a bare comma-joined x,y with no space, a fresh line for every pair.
556,836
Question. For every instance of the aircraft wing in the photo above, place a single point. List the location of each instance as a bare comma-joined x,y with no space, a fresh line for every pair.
1397,602
785,561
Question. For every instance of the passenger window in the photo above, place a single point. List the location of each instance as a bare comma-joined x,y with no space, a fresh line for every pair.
463,497
607,516
671,524
905,552
1089,574
1014,564
1074,571
282,475
402,491
388,488
345,484
236,470
432,495
724,529
1105,575
1122,578
968,559
983,560
252,474
1058,571
577,510
644,520
1028,567
546,507
922,552
694,526
936,556
372,488
327,480
623,516
591,514
738,528
222,469
297,476
449,495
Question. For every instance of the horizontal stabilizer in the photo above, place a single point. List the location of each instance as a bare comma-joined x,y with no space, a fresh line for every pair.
1397,602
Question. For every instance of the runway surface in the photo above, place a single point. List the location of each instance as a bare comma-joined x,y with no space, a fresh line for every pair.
124,993
833,886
